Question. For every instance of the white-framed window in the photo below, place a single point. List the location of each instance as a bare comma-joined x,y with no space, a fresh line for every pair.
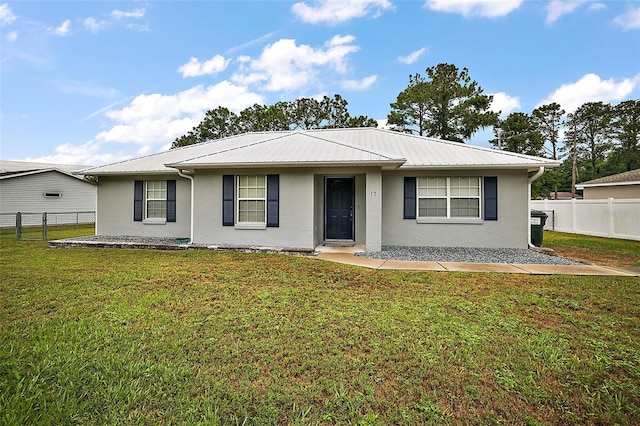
252,199
155,199
449,197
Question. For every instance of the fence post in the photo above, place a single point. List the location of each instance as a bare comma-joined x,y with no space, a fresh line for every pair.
610,212
44,226
573,215
18,226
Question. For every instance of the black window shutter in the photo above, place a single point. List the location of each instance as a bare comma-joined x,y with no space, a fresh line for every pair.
138,195
490,198
171,201
273,201
409,197
228,185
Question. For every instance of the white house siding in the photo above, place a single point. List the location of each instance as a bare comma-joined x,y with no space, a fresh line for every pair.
509,231
115,208
296,212
26,193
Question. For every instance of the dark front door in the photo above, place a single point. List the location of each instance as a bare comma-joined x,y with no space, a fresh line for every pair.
339,209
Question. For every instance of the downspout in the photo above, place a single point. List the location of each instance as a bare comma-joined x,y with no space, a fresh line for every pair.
532,179
186,176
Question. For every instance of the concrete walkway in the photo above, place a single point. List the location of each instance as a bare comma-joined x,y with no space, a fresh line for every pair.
346,255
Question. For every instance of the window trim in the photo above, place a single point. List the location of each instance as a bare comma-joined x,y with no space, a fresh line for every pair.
448,197
147,199
247,224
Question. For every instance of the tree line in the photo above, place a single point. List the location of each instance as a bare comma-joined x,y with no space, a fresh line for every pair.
597,139
303,113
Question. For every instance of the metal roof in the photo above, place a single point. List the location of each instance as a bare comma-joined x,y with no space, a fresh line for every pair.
331,147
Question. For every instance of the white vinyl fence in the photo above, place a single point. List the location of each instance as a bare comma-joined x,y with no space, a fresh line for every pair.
612,218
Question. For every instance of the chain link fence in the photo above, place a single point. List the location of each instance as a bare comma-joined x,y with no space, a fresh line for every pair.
43,226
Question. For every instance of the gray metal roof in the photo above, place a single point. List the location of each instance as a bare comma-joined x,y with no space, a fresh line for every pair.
332,147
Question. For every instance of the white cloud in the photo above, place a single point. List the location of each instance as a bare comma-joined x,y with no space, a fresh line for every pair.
335,12
158,119
597,6
87,153
591,88
284,65
135,14
92,24
116,18
63,30
504,103
412,57
482,8
12,36
6,15
558,8
363,84
629,20
194,68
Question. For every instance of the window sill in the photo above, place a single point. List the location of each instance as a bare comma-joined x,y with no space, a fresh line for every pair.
462,220
250,226
158,221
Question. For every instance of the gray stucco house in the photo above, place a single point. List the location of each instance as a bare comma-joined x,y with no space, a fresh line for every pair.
299,189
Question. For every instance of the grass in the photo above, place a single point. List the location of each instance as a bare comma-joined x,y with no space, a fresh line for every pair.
101,336
602,251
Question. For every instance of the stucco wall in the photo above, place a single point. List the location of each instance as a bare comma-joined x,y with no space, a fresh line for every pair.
509,231
26,194
115,208
296,212
617,192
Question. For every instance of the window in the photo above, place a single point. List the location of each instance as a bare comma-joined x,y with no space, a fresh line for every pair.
449,197
252,199
251,202
154,201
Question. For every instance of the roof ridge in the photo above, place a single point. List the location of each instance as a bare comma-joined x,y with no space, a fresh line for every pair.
281,134
385,155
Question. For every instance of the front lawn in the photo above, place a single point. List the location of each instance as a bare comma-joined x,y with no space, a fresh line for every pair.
106,336
598,250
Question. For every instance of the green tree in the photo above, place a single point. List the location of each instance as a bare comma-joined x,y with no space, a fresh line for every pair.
626,130
518,133
262,118
303,113
217,123
447,105
591,130
549,119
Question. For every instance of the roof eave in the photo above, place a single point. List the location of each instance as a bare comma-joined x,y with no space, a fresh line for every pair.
595,185
528,167
385,164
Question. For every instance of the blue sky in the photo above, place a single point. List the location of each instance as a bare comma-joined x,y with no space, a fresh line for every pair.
97,82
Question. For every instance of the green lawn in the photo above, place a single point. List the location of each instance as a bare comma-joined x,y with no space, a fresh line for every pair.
603,251
105,336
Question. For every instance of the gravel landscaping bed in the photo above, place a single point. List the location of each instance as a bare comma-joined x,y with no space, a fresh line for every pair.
463,254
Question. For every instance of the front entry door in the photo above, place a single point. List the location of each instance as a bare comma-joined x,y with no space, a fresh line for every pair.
339,209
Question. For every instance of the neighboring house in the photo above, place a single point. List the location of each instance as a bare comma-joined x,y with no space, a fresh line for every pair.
38,188
620,186
298,189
